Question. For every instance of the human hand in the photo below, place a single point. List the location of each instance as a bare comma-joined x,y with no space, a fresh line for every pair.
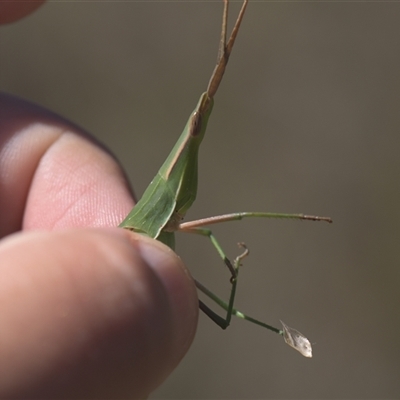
85,312
11,11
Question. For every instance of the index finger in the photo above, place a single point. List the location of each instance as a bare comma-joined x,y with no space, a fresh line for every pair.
53,174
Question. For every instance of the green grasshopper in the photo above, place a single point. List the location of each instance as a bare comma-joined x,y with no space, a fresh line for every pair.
164,204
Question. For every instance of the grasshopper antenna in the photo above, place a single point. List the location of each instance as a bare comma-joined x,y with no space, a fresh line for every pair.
224,48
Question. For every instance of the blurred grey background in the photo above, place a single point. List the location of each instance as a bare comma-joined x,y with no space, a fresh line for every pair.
306,120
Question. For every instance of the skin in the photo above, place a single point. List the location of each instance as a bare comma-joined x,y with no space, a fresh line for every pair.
88,310
12,11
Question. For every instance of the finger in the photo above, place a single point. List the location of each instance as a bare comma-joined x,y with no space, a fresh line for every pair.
91,313
52,174
11,11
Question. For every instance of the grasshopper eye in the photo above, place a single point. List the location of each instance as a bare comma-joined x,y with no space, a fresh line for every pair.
196,124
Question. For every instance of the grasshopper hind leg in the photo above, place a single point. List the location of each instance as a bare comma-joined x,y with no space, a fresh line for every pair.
220,321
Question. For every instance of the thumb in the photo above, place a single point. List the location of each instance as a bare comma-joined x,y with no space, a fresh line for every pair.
91,313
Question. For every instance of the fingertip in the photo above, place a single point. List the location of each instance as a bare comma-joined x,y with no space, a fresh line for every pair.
179,286
11,11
